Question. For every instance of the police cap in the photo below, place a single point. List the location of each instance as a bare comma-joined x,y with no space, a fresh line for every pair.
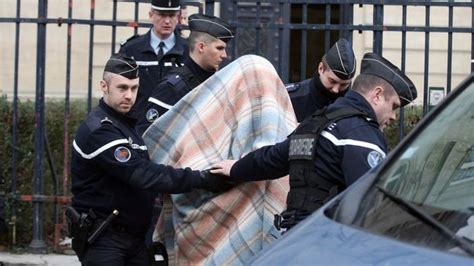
376,65
166,5
211,25
340,58
123,65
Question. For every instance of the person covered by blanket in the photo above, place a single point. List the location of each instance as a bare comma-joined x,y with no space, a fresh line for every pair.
158,51
333,148
114,183
207,50
331,80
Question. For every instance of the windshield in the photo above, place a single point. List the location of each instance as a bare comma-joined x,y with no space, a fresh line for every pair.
435,171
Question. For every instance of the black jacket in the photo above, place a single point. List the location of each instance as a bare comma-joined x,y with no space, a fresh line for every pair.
111,170
178,83
310,95
345,151
151,71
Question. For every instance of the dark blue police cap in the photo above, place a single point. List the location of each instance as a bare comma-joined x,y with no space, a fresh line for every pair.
211,25
340,58
376,65
123,65
166,5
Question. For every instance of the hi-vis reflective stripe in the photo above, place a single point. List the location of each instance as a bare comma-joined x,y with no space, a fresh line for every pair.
99,150
153,63
344,142
147,63
159,103
138,147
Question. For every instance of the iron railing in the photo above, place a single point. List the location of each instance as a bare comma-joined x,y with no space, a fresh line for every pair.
264,27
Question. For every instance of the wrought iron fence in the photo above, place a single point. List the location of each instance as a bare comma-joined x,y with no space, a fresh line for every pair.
285,32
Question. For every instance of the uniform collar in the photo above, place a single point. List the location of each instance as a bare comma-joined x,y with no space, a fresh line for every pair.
144,46
155,41
357,101
180,47
320,94
116,115
197,70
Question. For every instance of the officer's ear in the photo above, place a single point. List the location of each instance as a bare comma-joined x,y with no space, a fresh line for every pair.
200,46
104,86
378,95
321,68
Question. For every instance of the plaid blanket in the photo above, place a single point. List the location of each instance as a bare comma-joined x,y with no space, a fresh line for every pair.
242,107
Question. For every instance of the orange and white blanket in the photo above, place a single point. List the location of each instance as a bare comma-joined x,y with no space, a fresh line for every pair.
240,108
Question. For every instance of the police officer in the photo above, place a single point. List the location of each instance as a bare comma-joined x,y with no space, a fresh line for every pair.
183,20
350,142
331,80
114,184
158,51
207,50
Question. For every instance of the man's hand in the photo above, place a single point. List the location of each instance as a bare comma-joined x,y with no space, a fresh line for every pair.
223,167
215,182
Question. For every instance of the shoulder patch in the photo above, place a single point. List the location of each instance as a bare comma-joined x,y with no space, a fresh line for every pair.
122,154
106,120
174,79
152,114
123,42
292,87
374,158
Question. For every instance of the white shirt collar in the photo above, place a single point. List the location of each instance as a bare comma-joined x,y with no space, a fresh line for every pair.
155,41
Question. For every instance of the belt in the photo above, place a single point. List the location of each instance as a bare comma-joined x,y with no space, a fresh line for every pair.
118,228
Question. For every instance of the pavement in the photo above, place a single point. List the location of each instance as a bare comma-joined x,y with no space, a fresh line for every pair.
12,259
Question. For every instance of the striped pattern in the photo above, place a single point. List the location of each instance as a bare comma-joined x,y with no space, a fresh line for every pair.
99,150
242,107
352,142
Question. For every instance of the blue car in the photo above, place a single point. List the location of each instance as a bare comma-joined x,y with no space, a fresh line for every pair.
415,208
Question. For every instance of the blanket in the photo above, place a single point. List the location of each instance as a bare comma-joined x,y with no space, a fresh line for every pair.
240,108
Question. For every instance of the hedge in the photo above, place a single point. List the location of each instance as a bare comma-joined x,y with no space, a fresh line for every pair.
25,156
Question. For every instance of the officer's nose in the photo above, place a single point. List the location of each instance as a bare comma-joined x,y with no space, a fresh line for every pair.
393,116
336,88
224,54
128,94
166,19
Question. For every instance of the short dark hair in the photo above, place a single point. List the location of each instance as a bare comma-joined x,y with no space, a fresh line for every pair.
364,83
107,77
197,36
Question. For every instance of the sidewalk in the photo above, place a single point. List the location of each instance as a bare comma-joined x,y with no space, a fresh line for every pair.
11,259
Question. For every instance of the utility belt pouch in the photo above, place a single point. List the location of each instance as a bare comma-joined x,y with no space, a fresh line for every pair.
159,253
80,227
289,218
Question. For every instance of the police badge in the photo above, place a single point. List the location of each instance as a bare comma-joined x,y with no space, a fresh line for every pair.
374,158
122,154
151,115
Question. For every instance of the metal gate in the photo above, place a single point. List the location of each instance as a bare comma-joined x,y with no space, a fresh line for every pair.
293,35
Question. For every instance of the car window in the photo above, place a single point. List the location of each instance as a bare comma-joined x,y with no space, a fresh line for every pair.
435,174
437,168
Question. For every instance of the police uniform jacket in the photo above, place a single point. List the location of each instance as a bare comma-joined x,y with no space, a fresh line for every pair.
178,83
111,170
151,70
310,95
345,151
